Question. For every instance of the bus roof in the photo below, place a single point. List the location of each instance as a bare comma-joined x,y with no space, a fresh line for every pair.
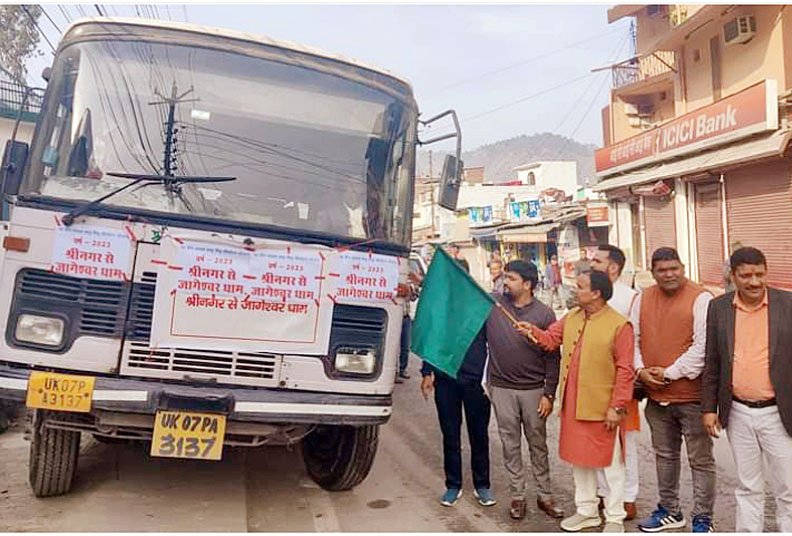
235,34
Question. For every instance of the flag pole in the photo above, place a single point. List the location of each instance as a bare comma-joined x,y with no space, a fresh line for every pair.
514,321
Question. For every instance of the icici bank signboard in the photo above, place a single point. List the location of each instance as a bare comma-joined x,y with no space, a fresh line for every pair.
752,110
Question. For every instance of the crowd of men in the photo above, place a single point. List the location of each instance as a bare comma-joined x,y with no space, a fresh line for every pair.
703,364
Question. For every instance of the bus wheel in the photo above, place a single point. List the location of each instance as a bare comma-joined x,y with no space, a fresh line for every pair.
53,458
339,458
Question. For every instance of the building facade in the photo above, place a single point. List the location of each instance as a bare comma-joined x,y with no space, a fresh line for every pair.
17,101
696,137
558,174
531,218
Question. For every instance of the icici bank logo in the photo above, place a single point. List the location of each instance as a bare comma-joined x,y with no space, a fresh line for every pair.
697,127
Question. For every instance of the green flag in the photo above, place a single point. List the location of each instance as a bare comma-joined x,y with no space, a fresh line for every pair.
451,311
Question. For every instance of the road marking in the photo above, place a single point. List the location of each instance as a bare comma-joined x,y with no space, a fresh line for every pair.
323,512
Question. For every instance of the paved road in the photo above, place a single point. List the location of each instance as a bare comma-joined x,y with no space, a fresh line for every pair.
119,488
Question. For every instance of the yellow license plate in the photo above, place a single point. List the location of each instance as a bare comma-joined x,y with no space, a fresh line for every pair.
184,434
60,392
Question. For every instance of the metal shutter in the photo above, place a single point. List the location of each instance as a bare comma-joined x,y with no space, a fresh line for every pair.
709,234
759,214
660,224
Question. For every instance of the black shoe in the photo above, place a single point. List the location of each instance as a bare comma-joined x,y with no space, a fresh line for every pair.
403,374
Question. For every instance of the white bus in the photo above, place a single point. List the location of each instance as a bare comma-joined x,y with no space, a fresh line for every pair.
206,245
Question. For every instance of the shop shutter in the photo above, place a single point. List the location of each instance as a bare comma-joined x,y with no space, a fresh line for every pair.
709,234
759,214
660,224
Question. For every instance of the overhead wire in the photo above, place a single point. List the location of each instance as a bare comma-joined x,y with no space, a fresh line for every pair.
527,60
269,162
590,86
36,24
50,19
591,104
266,147
528,97
65,15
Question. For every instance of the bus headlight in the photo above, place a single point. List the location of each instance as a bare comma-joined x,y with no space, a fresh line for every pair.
355,360
43,330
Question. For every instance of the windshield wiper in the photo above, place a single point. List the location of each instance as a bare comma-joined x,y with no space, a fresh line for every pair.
170,183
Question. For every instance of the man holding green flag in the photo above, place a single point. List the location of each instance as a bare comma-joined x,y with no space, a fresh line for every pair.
456,388
451,312
523,377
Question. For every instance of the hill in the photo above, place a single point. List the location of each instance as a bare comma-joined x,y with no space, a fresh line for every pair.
500,158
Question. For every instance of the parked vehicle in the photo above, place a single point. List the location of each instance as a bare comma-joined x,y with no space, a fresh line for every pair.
202,248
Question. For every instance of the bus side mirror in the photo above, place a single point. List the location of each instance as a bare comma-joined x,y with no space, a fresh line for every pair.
449,182
14,158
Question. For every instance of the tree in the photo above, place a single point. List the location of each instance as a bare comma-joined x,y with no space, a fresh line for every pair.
19,38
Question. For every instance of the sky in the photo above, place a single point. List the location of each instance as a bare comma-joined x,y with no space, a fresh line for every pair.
507,70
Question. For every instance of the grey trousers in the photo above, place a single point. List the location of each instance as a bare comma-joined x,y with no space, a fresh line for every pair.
669,425
516,413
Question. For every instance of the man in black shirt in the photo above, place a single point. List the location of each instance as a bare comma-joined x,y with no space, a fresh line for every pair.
522,380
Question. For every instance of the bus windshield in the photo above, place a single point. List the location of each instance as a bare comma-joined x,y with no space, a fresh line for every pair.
309,150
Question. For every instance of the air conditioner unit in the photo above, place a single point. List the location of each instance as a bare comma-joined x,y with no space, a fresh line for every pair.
634,120
630,109
739,30
647,122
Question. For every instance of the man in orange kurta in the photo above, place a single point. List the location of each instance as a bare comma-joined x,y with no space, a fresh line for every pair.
595,386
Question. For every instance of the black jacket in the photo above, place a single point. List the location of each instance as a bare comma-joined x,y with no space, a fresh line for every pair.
472,369
716,380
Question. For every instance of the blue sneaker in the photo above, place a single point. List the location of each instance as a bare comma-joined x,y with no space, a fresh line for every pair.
485,497
661,519
451,496
702,523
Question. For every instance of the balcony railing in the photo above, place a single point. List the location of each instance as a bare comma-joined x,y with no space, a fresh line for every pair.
642,68
12,101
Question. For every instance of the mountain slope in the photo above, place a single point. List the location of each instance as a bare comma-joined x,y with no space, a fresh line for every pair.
500,158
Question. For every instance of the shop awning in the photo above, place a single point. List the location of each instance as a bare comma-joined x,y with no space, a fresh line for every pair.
485,232
527,234
754,149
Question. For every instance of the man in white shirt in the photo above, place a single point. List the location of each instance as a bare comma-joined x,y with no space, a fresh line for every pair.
610,260
672,339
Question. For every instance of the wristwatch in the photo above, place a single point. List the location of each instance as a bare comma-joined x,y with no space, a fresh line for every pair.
620,411
550,397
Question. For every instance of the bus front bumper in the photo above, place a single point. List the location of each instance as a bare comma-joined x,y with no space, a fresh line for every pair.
246,404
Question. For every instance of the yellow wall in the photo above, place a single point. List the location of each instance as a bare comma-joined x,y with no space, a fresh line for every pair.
648,30
767,55
698,74
762,57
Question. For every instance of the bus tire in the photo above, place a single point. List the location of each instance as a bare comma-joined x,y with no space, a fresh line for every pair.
338,458
53,458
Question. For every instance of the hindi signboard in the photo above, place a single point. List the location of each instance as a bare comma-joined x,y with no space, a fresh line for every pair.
92,252
752,110
211,296
276,298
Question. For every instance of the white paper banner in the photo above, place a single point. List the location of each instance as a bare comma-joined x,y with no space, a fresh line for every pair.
95,252
216,296
366,277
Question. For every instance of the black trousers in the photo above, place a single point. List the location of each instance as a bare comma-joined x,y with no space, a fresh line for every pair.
451,397
405,340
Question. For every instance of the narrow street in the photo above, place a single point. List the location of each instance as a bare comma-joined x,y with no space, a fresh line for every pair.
120,488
